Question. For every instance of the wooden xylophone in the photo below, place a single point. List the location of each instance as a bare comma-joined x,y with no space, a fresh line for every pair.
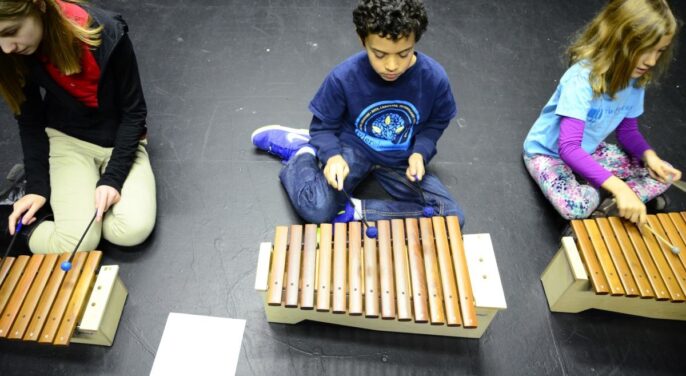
417,276
611,265
40,302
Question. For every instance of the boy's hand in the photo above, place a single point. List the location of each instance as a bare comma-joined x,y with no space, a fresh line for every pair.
661,170
415,169
25,208
335,171
105,197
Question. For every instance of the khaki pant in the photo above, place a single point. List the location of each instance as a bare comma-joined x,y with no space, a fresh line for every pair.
75,168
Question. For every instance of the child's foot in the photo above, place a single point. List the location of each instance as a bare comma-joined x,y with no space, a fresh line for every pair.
659,204
607,208
14,187
281,141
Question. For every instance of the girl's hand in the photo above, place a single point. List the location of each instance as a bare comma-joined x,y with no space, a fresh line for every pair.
25,208
105,197
629,205
335,171
415,169
659,169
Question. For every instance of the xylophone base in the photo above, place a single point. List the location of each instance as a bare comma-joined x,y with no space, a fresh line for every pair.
488,296
569,290
100,319
282,315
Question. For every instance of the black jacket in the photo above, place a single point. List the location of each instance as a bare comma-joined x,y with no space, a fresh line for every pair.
118,121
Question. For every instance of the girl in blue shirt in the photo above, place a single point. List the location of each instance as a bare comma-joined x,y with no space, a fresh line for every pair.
626,46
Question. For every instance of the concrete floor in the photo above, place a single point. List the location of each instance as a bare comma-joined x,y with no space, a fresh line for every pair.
214,70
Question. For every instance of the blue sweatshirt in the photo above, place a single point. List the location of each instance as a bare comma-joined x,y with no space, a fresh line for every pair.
388,121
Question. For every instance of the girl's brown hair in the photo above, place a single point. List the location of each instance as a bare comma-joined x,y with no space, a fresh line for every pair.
61,44
615,39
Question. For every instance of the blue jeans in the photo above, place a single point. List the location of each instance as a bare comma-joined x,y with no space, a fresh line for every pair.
317,202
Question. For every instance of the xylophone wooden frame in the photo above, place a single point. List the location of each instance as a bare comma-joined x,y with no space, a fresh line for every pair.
102,311
569,290
485,278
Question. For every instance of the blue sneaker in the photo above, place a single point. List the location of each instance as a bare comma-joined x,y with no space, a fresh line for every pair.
281,141
346,215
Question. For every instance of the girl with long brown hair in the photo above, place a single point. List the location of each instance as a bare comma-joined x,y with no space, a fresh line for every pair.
69,74
625,47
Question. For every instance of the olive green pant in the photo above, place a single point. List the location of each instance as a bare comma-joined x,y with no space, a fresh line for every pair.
75,168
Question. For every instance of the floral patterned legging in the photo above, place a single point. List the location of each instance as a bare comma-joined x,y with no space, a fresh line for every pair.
574,200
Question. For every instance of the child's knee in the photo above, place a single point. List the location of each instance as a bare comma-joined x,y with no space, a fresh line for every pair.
127,233
322,212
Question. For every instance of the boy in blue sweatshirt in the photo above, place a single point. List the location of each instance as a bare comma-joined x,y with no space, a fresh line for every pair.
379,112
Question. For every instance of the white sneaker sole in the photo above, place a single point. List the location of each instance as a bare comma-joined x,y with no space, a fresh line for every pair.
302,132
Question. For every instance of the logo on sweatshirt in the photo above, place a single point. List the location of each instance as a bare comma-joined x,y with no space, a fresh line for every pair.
387,125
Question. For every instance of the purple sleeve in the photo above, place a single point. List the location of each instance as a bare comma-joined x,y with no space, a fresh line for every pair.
569,144
631,139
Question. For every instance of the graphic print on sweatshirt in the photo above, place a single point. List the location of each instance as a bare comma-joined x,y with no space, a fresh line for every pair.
387,125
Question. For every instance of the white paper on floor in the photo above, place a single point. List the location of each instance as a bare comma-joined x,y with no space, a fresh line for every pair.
198,345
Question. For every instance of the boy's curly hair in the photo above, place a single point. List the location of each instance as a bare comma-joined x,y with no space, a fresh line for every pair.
390,18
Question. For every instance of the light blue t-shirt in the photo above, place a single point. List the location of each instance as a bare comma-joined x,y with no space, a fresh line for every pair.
574,98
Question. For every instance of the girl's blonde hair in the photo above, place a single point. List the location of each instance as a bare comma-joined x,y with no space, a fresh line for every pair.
61,44
616,38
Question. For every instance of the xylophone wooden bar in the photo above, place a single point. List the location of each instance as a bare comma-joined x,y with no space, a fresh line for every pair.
640,277
676,262
293,273
355,269
11,280
590,259
31,301
324,268
10,311
43,303
59,306
369,277
278,265
447,274
663,267
419,292
644,264
339,268
309,268
604,258
78,298
623,272
647,262
402,280
386,271
464,286
433,277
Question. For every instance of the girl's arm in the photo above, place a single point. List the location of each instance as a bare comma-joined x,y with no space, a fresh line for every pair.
133,114
631,139
34,141
569,144
571,135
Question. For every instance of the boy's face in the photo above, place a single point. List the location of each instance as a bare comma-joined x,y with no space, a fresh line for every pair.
390,58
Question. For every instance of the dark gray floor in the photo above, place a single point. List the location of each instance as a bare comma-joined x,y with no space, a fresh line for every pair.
213,70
